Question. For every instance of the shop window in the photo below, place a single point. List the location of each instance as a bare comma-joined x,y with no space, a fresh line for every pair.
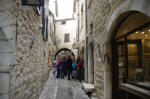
134,59
133,55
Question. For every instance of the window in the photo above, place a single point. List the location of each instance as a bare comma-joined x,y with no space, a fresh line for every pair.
133,54
67,38
63,22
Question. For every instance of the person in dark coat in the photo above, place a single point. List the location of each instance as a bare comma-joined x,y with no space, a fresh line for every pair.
58,67
69,66
79,69
63,67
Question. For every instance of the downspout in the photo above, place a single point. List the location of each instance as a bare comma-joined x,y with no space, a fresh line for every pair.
78,24
78,27
86,31
86,39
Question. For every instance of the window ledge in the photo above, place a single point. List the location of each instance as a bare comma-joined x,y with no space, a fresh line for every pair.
136,90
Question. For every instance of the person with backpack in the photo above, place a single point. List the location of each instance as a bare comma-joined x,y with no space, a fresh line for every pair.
74,71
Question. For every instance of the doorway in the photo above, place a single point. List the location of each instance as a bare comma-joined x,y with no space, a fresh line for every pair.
91,64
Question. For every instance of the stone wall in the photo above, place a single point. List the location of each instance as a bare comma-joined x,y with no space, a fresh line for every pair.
27,58
98,14
105,15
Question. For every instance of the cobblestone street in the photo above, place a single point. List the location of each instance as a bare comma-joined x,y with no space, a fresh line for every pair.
62,89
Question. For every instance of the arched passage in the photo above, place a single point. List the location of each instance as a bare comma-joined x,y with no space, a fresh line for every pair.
65,51
118,25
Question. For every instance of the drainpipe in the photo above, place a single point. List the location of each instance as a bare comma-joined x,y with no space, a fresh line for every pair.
78,23
86,39
78,28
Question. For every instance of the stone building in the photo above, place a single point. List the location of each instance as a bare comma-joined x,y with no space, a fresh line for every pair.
24,44
117,42
79,13
65,35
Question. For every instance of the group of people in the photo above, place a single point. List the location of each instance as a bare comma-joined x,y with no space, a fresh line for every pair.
67,66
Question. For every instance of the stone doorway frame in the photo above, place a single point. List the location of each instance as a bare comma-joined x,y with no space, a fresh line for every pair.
128,7
91,63
7,64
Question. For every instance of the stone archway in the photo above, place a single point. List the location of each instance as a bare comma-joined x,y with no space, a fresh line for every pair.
63,49
120,14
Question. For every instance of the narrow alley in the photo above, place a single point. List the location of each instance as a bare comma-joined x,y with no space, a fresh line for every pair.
74,49
62,89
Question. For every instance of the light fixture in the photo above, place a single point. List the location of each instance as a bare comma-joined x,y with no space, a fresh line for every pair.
136,32
149,30
142,32
146,35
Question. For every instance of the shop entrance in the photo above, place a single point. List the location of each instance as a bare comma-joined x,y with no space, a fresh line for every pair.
91,64
131,57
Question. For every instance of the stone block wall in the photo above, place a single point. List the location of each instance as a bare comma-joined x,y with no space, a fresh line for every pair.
98,14
26,58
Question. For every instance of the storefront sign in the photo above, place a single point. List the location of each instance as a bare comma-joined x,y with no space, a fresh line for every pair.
32,2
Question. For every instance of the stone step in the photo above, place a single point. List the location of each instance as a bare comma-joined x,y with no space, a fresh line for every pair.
88,87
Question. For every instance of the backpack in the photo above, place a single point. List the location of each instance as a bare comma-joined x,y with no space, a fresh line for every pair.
73,65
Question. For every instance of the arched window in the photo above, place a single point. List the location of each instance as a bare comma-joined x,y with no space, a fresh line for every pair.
132,51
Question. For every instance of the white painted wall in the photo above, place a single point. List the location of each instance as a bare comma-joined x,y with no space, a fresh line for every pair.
69,27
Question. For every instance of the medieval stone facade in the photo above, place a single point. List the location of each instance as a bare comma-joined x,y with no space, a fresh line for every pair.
23,51
103,19
63,29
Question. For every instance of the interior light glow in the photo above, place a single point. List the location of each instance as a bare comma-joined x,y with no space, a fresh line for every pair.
146,35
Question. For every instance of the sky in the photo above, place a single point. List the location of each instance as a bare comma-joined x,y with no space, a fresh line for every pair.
65,9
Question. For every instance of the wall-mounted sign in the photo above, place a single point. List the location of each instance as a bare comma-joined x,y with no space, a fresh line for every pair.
39,10
32,2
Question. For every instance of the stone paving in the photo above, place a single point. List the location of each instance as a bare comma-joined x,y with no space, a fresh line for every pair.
62,89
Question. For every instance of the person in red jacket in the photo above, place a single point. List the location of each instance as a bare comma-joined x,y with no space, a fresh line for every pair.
79,69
